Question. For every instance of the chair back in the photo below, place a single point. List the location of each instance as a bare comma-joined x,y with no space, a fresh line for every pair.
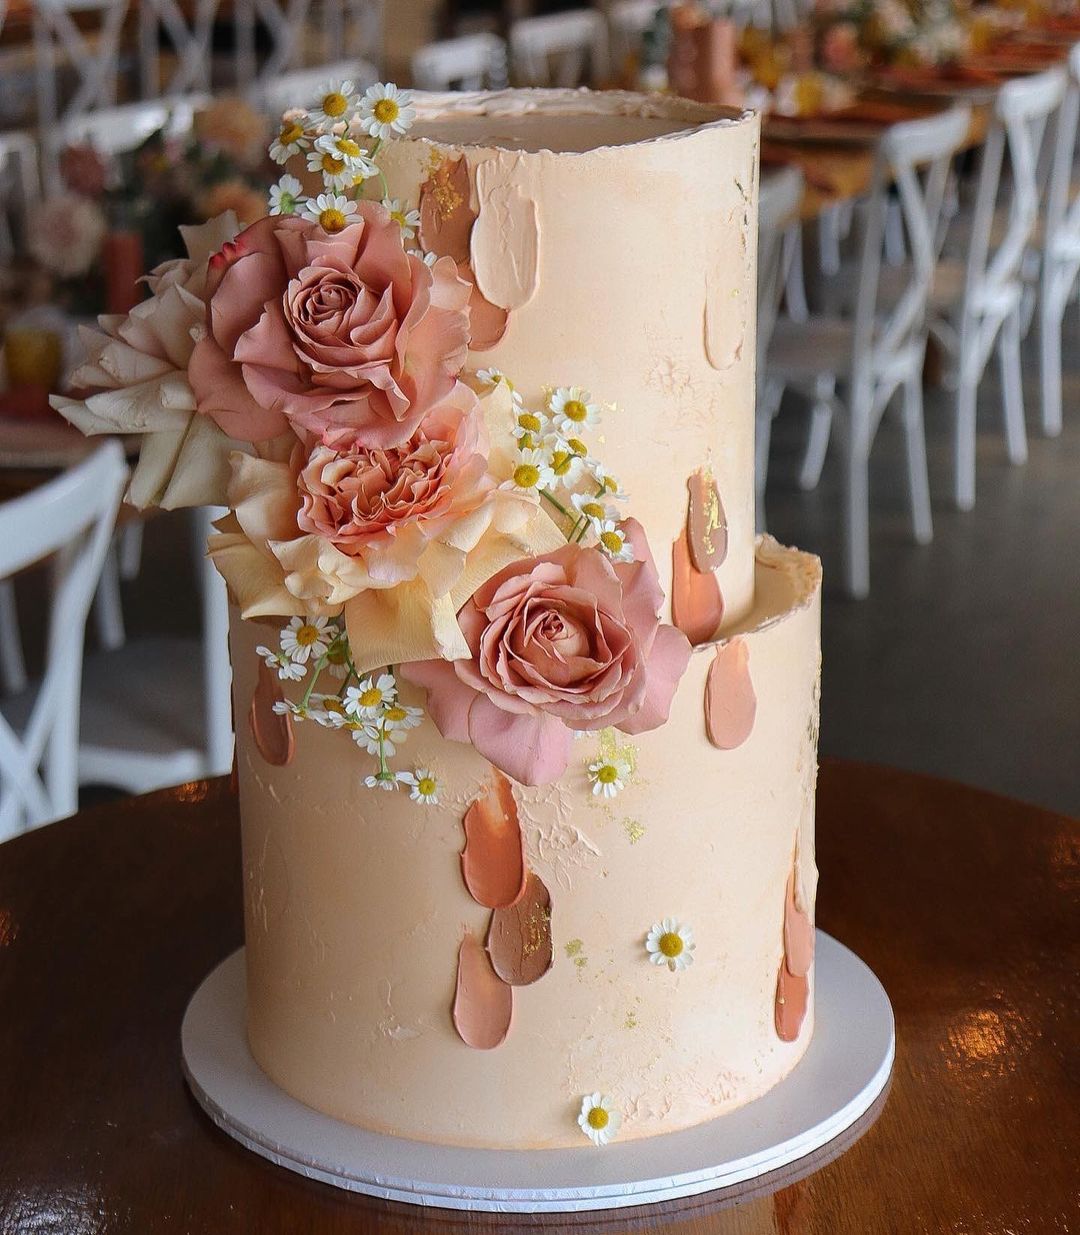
114,130
283,25
629,19
1022,110
20,188
305,87
1061,233
563,49
779,199
915,156
471,62
190,31
69,520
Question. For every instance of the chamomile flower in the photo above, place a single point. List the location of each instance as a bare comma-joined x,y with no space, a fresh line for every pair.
532,472
341,148
594,508
291,140
612,541
566,465
573,410
670,943
397,718
307,638
381,780
599,1119
337,658
368,700
407,220
385,110
298,711
613,491
493,377
335,171
330,210
429,259
335,105
527,428
375,739
608,777
287,669
328,711
423,787
286,195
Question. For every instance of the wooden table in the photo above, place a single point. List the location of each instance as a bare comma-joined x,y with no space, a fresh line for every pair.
964,904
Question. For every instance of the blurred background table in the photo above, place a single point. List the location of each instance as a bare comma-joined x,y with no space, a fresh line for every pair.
964,904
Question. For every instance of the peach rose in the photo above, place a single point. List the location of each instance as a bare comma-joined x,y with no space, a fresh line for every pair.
568,641
345,336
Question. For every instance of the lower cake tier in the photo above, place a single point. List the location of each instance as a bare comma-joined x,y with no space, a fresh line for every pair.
473,971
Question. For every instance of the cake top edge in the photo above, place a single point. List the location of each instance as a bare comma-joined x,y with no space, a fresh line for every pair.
514,119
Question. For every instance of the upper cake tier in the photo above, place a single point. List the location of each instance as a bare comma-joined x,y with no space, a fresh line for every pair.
609,239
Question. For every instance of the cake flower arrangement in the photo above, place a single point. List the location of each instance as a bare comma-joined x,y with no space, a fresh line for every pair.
394,515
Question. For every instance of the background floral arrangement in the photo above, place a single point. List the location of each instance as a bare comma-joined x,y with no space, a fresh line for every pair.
853,33
406,518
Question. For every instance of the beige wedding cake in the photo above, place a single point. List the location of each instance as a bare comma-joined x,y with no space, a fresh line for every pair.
526,714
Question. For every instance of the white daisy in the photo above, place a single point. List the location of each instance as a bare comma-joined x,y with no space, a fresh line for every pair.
307,637
298,711
573,410
532,472
612,541
337,658
671,943
429,259
527,428
375,739
423,786
341,148
288,670
397,718
594,508
368,700
385,110
407,220
330,210
335,106
565,463
608,777
613,491
328,711
598,1119
493,376
381,780
286,195
290,140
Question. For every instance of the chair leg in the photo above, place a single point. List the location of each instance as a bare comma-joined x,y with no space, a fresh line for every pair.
922,524
12,665
964,448
857,515
817,442
130,541
795,281
768,405
108,609
1050,317
1012,388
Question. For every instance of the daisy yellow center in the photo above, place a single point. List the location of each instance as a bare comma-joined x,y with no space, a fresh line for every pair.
371,698
336,655
333,166
333,705
577,446
611,541
610,484
528,421
396,714
332,219
592,510
561,461
385,111
526,441
399,218
307,635
290,133
607,775
334,104
670,944
575,410
598,1118
426,786
526,475
348,147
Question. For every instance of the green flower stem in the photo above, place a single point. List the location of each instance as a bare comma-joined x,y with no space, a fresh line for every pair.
547,496
318,667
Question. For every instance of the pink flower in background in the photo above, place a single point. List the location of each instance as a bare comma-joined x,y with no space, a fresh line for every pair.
235,128
246,203
84,171
344,336
568,641
840,48
65,234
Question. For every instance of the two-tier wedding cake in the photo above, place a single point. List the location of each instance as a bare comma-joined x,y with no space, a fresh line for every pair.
526,715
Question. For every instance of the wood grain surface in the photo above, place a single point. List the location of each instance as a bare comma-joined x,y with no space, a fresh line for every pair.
964,904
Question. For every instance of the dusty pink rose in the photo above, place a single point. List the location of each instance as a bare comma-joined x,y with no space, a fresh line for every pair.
568,641
343,335
397,497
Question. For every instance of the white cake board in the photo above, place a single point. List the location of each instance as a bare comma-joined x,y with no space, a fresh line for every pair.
844,1069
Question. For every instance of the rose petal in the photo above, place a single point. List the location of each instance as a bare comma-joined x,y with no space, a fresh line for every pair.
534,749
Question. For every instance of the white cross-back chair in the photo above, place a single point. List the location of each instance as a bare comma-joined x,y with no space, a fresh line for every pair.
977,299
305,87
471,62
284,25
629,19
779,199
68,520
1060,257
60,46
20,187
352,28
562,49
113,130
158,710
852,367
190,30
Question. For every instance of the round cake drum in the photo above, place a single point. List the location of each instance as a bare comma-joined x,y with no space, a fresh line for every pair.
845,1068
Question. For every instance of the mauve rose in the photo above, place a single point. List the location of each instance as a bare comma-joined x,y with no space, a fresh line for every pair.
396,498
345,336
568,641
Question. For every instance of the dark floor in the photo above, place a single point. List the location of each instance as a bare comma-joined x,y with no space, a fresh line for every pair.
965,659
